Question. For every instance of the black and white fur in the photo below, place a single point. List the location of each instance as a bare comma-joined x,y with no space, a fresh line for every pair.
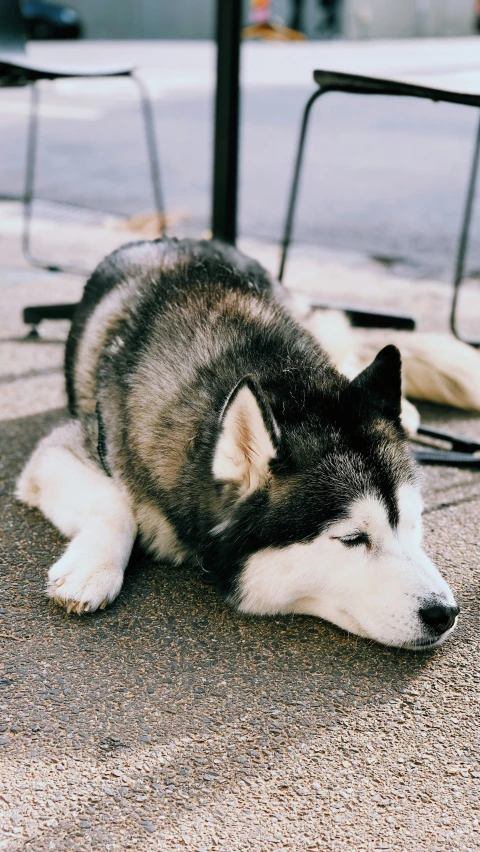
205,419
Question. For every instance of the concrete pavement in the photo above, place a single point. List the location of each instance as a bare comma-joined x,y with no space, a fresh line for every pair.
168,721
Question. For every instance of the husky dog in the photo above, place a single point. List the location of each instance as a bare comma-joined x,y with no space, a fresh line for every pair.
205,419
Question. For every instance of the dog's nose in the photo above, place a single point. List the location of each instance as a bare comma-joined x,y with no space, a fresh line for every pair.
439,618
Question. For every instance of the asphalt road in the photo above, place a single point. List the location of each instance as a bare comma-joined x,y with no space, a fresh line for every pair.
383,176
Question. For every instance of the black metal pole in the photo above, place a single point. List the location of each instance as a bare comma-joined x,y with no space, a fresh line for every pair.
227,103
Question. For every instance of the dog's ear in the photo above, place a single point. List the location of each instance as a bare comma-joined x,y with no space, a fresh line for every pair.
248,438
380,384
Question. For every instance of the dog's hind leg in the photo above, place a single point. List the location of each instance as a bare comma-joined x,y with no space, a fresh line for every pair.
86,505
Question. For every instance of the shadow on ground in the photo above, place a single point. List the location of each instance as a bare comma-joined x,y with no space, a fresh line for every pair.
169,705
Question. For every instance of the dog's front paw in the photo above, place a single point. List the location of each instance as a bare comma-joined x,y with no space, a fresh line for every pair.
81,583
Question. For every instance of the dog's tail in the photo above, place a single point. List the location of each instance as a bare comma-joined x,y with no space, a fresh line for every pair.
436,367
332,330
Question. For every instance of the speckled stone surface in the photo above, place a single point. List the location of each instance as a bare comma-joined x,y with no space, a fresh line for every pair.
169,722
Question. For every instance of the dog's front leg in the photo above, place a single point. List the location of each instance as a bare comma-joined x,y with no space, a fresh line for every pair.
87,506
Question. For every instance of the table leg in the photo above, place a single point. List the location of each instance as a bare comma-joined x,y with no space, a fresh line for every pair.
227,107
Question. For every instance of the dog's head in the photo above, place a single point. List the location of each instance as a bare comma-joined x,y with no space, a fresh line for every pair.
319,510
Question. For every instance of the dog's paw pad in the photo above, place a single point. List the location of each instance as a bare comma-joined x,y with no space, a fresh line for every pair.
80,584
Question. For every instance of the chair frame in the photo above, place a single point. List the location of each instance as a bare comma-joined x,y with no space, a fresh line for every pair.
16,70
31,170
392,88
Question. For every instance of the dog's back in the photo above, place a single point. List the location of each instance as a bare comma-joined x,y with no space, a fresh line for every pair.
159,268
164,332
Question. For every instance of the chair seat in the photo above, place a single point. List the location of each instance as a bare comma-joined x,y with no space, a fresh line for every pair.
459,86
16,69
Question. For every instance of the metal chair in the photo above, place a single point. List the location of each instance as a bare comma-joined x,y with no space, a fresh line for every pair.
16,69
333,81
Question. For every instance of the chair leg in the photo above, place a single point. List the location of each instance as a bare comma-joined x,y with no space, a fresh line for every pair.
367,319
30,166
34,315
29,190
292,201
152,150
463,241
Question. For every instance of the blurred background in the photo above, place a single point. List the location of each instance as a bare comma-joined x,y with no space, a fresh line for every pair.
384,177
194,19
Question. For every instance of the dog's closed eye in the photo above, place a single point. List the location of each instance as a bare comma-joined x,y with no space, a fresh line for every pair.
355,540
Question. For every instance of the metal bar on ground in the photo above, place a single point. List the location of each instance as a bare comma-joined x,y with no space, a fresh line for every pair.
447,458
34,314
368,319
